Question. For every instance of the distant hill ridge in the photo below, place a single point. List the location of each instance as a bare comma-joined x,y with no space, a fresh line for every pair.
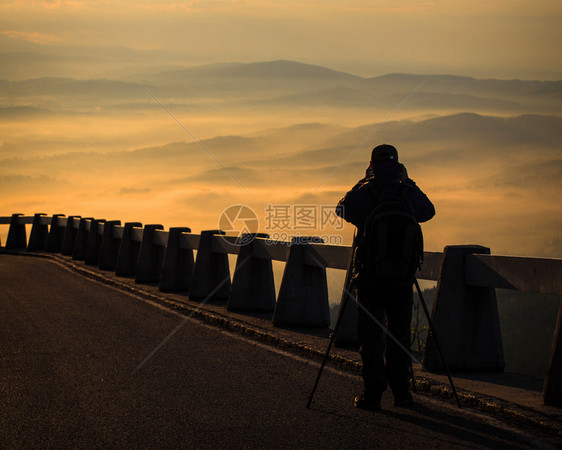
278,68
287,68
290,84
292,69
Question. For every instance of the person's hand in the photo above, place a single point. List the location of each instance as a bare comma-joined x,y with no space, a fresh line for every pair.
403,173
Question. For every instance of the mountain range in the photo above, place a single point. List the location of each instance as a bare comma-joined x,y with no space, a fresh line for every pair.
287,84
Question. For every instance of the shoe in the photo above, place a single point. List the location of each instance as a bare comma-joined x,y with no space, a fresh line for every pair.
368,403
403,399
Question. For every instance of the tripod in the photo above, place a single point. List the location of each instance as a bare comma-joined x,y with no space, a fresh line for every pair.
346,295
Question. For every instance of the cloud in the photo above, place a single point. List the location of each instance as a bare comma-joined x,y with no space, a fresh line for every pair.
47,4
228,175
536,175
552,248
36,38
173,6
55,4
128,191
20,112
19,185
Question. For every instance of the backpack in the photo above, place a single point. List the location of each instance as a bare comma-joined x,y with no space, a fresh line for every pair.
390,249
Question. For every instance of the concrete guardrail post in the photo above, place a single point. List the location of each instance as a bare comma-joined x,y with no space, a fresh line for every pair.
177,269
69,238
109,246
17,237
39,233
79,250
56,234
128,251
552,392
211,274
465,318
253,286
93,244
303,294
151,257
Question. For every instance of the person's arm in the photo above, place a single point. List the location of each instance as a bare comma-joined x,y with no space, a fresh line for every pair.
423,208
348,207
351,207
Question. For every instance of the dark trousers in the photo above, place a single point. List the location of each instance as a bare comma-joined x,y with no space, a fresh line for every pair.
390,306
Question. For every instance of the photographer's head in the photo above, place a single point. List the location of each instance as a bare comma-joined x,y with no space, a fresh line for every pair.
384,163
384,152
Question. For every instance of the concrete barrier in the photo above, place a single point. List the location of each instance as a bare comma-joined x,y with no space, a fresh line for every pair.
253,286
177,269
465,318
79,250
128,251
151,257
39,233
211,274
552,392
109,246
17,237
69,237
93,243
303,294
56,233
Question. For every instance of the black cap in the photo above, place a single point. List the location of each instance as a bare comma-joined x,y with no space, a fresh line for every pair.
384,152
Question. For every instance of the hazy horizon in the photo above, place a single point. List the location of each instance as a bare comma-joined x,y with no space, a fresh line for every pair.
505,39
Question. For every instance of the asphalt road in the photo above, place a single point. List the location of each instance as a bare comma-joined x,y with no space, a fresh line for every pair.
69,349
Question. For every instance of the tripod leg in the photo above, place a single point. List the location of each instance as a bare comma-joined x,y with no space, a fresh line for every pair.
345,297
412,376
332,339
432,330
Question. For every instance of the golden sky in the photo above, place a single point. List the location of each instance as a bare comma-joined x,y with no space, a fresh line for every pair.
500,38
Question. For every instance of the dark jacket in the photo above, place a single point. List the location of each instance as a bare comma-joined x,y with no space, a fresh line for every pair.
359,201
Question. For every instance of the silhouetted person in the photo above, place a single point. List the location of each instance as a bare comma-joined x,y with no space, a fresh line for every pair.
390,295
